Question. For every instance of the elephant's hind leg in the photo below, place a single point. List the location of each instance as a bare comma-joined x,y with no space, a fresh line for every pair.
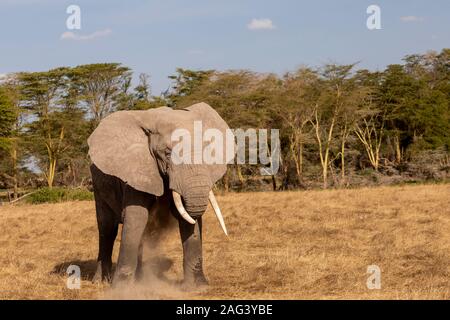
107,232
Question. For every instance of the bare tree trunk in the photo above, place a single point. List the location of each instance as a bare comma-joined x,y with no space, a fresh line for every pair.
53,153
345,135
343,161
371,139
285,170
398,151
74,174
295,157
51,172
299,163
335,181
343,155
240,176
297,146
324,151
15,171
300,158
325,177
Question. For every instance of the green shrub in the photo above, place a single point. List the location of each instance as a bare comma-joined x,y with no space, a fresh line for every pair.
55,194
79,195
47,195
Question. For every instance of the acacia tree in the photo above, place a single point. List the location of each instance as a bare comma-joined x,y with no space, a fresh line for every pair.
429,120
354,99
336,88
99,86
185,82
401,113
10,125
294,105
7,118
369,131
41,92
415,100
142,98
73,161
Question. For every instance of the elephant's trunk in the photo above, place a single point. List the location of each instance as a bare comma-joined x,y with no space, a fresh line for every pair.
196,197
193,185
180,207
191,195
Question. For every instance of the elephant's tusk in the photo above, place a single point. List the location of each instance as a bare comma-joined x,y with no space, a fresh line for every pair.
180,207
216,208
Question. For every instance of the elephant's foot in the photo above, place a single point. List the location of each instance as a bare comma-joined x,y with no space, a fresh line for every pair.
200,280
103,272
98,273
123,277
194,282
139,273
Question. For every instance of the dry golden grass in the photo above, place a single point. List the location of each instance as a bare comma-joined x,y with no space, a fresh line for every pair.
290,245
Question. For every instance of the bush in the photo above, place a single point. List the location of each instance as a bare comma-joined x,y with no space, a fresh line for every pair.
53,195
80,195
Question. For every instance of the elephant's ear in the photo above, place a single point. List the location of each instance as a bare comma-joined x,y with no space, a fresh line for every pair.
212,120
119,147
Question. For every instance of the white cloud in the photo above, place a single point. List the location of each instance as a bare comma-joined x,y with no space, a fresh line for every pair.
411,19
261,24
69,35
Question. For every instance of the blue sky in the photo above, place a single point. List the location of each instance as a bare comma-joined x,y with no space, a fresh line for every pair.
155,37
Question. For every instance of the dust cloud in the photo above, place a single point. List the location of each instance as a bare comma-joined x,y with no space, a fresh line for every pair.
161,276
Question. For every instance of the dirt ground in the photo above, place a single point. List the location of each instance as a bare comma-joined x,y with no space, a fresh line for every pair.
286,245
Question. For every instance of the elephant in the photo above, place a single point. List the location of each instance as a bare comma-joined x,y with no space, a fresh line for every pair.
135,179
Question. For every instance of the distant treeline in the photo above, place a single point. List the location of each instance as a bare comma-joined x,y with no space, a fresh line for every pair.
339,125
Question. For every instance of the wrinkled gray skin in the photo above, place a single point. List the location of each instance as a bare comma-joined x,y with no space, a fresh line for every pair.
133,178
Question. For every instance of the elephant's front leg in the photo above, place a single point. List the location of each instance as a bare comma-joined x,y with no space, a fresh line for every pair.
135,220
191,236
